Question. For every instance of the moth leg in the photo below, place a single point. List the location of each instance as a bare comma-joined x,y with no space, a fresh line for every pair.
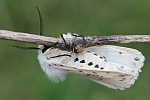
79,36
67,45
25,48
50,46
41,33
61,56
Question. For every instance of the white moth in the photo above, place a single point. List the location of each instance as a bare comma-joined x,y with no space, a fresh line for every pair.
112,66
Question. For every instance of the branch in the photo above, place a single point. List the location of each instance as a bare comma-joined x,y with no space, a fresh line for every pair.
90,40
25,37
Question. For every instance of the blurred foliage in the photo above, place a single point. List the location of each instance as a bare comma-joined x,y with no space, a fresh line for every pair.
21,77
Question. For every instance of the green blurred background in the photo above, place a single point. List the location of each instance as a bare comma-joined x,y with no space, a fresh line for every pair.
21,77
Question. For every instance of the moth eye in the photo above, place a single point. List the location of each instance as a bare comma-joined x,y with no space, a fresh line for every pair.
90,63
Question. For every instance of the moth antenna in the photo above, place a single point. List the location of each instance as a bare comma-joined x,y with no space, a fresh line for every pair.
41,21
25,48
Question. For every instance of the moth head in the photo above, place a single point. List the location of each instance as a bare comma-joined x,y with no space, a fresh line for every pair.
78,46
78,49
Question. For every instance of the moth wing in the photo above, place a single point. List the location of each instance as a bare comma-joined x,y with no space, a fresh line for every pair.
105,73
112,79
121,57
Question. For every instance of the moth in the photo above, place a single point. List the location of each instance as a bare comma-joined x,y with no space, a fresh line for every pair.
112,66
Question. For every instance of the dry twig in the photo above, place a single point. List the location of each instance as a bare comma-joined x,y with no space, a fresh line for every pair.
90,40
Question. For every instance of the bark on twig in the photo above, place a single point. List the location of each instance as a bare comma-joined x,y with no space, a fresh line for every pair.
25,37
90,40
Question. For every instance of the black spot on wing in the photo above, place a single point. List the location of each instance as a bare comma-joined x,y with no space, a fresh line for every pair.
137,59
95,54
89,51
90,63
94,72
76,59
121,75
87,74
101,57
82,61
74,67
104,57
102,68
122,66
97,66
100,79
107,72
120,52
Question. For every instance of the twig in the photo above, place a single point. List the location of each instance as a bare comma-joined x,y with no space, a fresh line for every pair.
26,37
90,40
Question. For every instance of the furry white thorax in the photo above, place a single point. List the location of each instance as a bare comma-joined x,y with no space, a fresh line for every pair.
112,66
49,64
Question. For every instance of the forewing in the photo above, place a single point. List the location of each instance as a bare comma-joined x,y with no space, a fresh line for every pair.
96,68
125,59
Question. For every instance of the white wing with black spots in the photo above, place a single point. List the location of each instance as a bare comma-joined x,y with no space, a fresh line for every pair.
125,59
112,66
